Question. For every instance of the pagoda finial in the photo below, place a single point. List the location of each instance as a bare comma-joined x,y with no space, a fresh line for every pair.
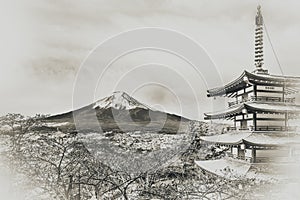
259,18
259,42
259,39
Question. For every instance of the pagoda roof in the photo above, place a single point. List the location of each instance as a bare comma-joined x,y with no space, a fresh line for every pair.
234,137
272,139
254,138
273,107
226,168
292,83
233,169
254,107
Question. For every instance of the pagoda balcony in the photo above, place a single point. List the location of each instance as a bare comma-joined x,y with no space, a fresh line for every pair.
263,128
232,128
272,99
276,128
262,99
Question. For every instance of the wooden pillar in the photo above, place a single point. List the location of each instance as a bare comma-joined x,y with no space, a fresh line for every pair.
235,122
285,122
254,121
253,154
283,91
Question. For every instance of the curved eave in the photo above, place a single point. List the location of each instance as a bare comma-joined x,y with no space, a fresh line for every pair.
228,88
272,139
236,169
232,138
259,144
261,139
224,113
254,107
224,143
272,107
260,79
273,79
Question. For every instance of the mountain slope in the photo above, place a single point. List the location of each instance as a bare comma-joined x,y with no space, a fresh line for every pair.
121,112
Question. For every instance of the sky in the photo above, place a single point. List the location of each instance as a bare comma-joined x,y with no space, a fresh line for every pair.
44,44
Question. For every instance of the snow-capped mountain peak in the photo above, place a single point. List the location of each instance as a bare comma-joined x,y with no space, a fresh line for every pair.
119,100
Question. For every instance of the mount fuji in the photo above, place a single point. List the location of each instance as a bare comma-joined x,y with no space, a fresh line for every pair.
121,112
119,100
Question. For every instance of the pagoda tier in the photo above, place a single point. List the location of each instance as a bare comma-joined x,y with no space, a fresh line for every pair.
261,102
289,84
247,108
252,138
261,112
259,116
257,147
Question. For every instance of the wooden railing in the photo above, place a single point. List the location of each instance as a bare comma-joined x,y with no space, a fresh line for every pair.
232,128
272,99
270,128
289,100
261,159
263,99
263,128
232,103
244,158
275,128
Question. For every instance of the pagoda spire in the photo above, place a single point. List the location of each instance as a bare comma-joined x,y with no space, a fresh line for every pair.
259,55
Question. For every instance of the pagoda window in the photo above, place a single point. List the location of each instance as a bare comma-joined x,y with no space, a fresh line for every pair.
239,98
270,116
268,96
270,93
244,124
234,151
248,153
241,153
270,122
250,116
241,92
247,117
245,96
249,89
239,117
251,94
250,123
242,97
270,88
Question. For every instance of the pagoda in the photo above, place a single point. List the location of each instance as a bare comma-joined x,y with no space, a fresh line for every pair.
260,106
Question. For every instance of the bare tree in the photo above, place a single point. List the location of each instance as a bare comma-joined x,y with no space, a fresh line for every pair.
61,166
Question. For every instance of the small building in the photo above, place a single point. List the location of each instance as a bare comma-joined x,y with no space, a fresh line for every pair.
260,106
